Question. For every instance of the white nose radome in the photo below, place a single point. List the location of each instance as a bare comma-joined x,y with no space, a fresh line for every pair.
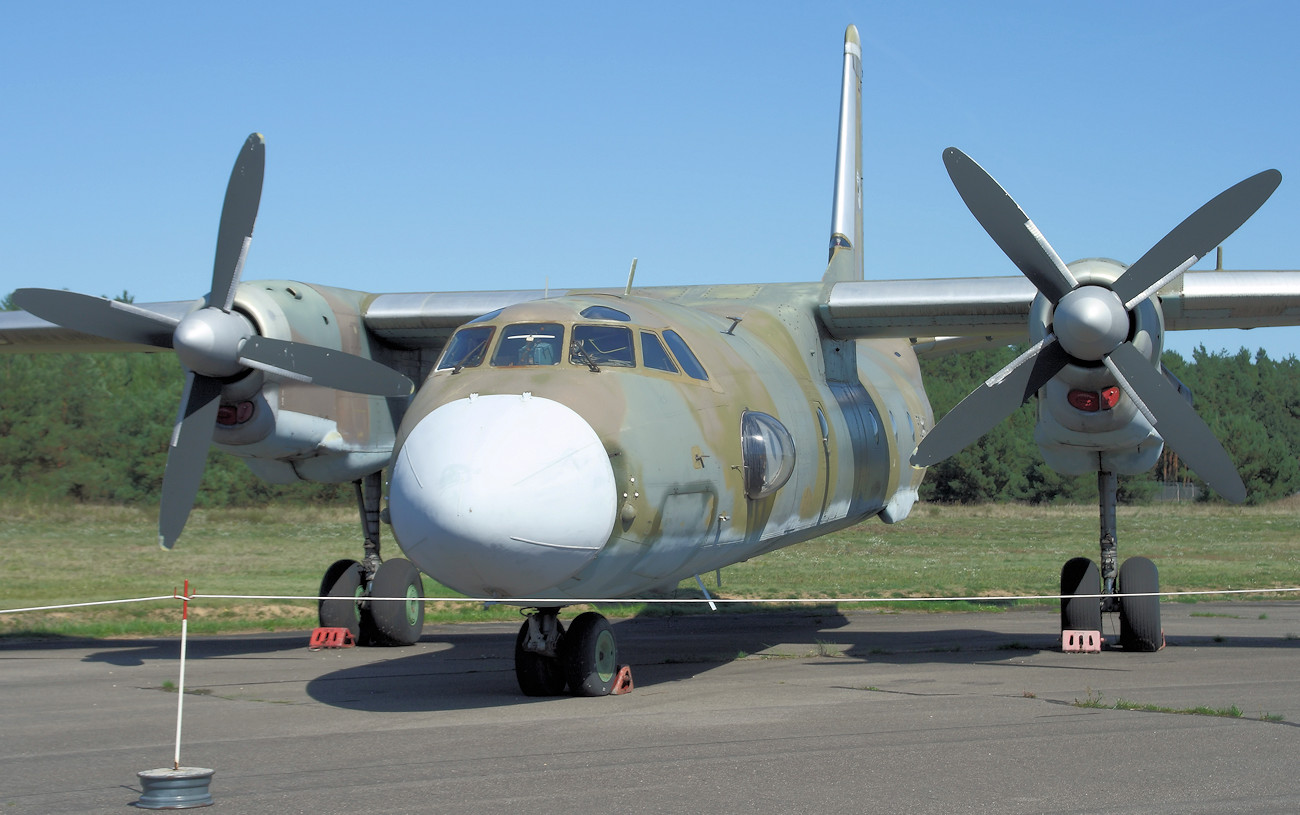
502,496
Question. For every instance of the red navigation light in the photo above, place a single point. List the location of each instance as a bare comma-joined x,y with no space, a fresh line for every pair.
1109,398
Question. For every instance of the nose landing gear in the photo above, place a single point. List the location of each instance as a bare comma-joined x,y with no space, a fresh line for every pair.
537,654
547,658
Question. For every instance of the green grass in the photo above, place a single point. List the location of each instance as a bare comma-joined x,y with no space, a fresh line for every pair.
70,553
1095,700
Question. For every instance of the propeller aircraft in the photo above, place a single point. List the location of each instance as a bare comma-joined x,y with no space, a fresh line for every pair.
547,448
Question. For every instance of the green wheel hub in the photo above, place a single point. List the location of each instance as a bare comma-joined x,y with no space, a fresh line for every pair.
606,656
412,605
589,655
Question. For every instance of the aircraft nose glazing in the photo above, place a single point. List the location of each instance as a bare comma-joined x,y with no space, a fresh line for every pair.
502,495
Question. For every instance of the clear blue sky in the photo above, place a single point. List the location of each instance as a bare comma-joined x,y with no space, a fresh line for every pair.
450,146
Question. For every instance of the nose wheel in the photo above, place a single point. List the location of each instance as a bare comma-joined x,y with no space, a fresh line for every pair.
548,659
590,655
538,668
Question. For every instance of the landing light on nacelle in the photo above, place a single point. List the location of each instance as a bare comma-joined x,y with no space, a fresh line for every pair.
1093,401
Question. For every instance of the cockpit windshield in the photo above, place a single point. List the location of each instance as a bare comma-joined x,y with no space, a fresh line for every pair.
602,346
530,344
595,346
466,349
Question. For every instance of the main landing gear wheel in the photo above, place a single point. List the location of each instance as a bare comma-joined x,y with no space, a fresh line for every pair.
590,655
1139,617
1080,576
344,588
396,622
538,674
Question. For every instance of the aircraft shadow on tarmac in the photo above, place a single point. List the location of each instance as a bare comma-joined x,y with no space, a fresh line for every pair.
136,652
475,669
472,666
130,653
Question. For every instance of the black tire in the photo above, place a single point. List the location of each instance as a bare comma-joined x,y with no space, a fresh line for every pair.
1139,617
1080,576
538,675
396,622
590,655
343,581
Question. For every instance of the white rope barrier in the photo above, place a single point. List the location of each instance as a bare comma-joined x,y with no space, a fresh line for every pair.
530,602
93,603
582,601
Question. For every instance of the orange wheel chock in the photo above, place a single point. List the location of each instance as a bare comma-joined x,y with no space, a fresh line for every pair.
1081,642
622,682
331,638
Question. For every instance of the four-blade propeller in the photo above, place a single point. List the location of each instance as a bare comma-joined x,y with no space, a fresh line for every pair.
214,343
1091,323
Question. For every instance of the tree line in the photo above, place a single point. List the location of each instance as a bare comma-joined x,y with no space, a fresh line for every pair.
95,428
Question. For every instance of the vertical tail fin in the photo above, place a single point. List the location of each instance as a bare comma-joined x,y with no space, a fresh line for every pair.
846,208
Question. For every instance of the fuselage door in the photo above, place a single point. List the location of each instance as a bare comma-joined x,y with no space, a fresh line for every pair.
824,469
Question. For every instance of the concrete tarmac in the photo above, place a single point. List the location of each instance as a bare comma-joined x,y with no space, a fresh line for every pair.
813,711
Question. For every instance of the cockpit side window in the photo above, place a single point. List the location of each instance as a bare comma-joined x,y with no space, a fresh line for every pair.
654,355
685,357
467,348
602,346
529,344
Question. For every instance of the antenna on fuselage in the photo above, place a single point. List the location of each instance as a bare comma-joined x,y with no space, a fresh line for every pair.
631,273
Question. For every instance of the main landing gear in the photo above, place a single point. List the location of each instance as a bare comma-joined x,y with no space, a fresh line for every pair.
548,658
356,592
1139,617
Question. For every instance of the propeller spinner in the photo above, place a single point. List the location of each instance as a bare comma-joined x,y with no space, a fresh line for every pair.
214,343
1091,323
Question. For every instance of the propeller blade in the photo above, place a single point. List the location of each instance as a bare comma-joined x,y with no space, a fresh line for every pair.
1193,239
109,319
323,366
1175,420
1008,226
238,215
992,402
187,454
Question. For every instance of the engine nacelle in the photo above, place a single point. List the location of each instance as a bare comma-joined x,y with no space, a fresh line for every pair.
1085,422
288,431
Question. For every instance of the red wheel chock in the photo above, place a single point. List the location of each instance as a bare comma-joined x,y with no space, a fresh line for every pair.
1081,642
331,638
622,682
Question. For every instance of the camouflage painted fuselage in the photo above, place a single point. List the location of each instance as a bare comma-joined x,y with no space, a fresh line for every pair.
661,486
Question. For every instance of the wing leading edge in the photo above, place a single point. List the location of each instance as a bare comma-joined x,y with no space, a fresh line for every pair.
956,314
938,314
